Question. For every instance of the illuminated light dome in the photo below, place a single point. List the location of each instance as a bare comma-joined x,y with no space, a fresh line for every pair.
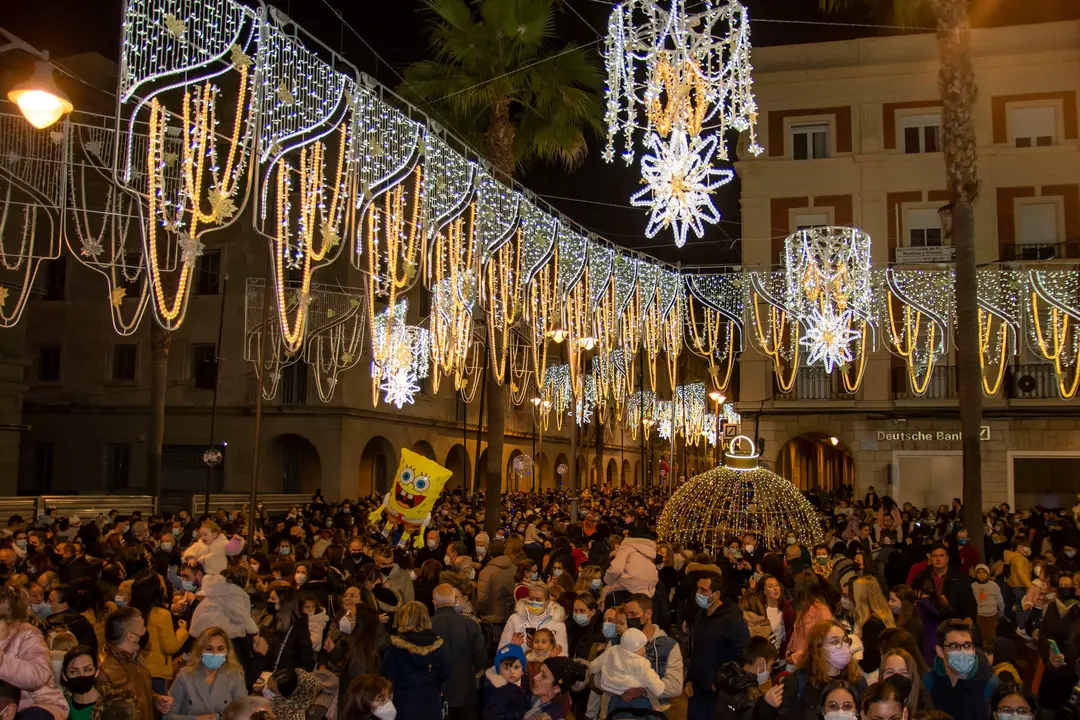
38,98
737,498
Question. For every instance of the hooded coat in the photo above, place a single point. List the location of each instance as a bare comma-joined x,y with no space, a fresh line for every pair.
503,701
225,606
417,664
27,665
211,557
553,618
634,567
495,590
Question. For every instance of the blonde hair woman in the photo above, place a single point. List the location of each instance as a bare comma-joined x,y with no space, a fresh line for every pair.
872,617
827,658
211,680
589,581
417,660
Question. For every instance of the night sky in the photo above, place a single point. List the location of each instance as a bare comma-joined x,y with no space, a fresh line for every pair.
394,29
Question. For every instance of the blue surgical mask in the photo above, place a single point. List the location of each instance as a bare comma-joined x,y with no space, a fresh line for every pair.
557,572
596,584
284,550
42,610
189,586
964,663
703,601
176,531
120,602
213,661
961,541
581,619
609,631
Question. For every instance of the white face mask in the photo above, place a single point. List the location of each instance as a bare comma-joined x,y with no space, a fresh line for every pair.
345,625
385,712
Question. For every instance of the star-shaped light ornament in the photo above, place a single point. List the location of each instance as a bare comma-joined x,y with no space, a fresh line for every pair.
400,387
191,248
679,181
118,295
828,339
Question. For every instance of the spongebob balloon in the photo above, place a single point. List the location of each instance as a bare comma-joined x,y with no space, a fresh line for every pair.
417,484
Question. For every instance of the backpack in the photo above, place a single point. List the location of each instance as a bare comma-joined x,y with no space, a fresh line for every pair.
491,638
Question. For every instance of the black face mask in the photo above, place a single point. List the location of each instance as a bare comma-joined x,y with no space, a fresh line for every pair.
144,640
634,623
901,683
1066,593
386,571
80,685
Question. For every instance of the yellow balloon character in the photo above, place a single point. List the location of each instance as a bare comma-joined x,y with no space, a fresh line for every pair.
417,484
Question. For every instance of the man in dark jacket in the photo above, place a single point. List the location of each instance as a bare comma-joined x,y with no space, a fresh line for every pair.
464,643
495,588
719,635
949,582
962,681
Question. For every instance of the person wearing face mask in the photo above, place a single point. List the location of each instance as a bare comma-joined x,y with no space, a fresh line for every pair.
900,669
718,636
1058,646
662,652
482,543
495,591
464,642
210,680
433,549
148,598
741,685
811,608
355,644
961,680
78,674
370,697
535,612
125,636
285,629
1019,577
827,660
394,577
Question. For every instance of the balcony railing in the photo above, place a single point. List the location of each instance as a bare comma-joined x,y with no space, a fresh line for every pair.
1029,382
813,383
1021,252
941,386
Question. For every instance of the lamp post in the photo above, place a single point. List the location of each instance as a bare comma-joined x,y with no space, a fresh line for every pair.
40,101
717,397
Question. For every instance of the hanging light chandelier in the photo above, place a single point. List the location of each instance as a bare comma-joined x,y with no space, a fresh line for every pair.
697,87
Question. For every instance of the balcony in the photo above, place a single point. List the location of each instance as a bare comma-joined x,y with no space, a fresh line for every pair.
1070,249
941,386
1031,382
813,383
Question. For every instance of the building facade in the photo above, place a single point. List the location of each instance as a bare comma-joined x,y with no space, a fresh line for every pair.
852,136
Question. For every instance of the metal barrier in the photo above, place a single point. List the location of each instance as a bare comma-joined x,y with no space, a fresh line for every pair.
25,507
272,502
93,505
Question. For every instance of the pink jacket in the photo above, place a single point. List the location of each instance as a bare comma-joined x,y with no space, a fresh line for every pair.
633,568
797,646
27,665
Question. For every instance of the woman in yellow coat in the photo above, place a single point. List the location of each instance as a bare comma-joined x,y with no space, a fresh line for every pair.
148,597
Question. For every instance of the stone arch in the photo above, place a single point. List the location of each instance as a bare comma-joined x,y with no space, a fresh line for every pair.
378,462
612,475
624,476
457,462
637,474
423,447
293,465
543,473
560,481
816,460
511,481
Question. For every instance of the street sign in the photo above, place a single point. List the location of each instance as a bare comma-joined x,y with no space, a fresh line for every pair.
925,255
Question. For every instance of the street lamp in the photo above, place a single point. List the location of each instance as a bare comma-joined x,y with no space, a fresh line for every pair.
41,102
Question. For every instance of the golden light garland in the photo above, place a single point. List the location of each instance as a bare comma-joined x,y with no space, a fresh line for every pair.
686,97
540,311
1053,348
503,302
905,341
992,384
454,282
771,341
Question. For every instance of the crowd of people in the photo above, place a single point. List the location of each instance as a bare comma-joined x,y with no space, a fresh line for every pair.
893,616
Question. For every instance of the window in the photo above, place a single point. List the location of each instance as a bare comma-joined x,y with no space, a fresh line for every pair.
208,273
41,471
48,365
55,278
922,133
204,365
182,468
810,141
125,362
1033,125
116,465
805,221
1037,224
924,227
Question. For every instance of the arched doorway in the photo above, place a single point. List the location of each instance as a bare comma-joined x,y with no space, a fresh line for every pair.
293,466
423,447
542,472
457,462
378,462
816,460
637,474
612,478
561,471
513,480
625,478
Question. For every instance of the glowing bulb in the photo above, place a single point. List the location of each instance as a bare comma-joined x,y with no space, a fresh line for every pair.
587,343
557,335
835,441
717,397
536,401
38,98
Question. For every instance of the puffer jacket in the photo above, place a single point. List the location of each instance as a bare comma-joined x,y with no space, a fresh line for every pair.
553,618
633,568
417,664
211,557
28,666
224,605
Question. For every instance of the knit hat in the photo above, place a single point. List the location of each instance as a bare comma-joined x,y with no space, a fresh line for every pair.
567,672
982,566
633,640
510,651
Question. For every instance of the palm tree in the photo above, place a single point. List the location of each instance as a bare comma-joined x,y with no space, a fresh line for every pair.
497,78
956,82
